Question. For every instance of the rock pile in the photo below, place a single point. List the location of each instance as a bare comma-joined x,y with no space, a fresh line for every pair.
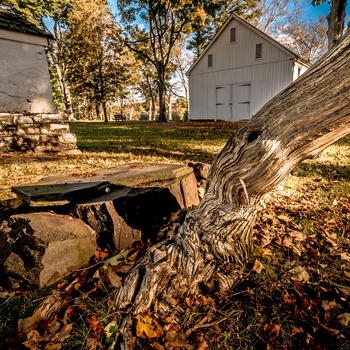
70,217
36,133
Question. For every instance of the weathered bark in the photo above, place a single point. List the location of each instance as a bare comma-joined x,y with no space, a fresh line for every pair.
215,240
335,20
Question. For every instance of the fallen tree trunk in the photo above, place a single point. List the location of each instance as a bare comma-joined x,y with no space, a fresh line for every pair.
212,245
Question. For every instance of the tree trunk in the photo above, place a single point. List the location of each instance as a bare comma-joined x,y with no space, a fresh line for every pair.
105,114
335,20
213,244
65,94
162,93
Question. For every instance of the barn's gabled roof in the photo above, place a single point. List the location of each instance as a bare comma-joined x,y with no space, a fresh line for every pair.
10,21
255,30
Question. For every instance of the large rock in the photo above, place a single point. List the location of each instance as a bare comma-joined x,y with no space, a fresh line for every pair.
121,204
38,249
128,214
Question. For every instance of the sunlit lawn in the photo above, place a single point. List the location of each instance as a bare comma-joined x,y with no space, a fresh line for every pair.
105,145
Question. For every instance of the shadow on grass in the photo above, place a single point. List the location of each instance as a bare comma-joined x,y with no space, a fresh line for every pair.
327,171
180,144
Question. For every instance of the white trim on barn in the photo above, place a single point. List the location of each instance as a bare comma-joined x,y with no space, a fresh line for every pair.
240,70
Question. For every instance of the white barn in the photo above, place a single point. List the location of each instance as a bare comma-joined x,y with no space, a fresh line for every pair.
239,71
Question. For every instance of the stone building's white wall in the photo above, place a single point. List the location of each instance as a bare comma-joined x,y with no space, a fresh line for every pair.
24,77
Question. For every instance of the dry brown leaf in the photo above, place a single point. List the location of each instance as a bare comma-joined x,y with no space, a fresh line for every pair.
258,266
52,346
331,223
148,328
295,330
33,340
299,236
284,218
189,301
287,242
344,319
29,324
176,340
272,330
113,278
300,274
345,256
92,344
156,346
100,255
49,307
95,325
203,346
329,305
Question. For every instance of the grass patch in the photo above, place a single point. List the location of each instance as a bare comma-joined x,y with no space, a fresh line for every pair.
106,145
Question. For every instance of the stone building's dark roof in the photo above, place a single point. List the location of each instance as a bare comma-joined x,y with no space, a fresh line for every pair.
12,22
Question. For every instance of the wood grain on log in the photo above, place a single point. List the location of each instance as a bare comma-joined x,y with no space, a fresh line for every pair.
215,240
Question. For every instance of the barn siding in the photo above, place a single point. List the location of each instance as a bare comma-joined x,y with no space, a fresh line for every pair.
235,63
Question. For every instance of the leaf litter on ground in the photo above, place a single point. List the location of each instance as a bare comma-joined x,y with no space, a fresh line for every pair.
294,293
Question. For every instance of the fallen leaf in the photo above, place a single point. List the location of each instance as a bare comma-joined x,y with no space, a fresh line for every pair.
116,259
331,223
33,340
100,255
345,256
176,340
95,325
113,278
29,324
203,346
272,330
329,305
189,301
258,266
52,346
284,218
300,274
148,328
295,330
344,319
299,236
287,242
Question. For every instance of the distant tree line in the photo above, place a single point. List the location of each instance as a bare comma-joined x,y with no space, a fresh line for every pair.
133,63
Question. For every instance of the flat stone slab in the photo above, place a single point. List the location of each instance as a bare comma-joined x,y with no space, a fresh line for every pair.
63,189
59,194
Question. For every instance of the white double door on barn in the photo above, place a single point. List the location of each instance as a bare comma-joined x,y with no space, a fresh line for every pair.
233,102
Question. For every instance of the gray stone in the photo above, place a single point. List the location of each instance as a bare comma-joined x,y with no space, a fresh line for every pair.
24,119
39,249
36,132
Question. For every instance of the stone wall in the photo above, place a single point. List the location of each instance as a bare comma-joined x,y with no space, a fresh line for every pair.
35,133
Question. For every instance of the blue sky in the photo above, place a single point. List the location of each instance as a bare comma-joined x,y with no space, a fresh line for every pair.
309,10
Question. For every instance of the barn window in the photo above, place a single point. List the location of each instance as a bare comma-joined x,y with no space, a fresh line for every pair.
210,60
258,51
233,35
